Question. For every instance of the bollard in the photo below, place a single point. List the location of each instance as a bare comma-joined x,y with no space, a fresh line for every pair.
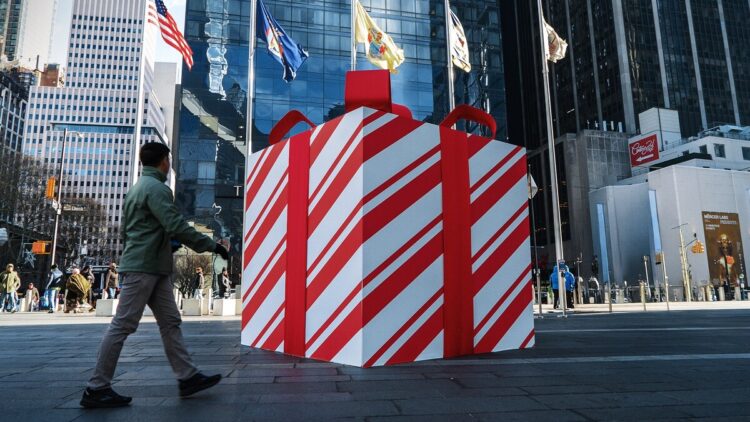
643,296
721,294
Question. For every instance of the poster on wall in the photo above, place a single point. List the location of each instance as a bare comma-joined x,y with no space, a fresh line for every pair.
724,249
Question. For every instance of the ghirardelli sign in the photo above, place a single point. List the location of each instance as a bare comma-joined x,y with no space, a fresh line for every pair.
644,151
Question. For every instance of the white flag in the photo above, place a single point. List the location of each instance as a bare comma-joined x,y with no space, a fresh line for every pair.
458,45
556,46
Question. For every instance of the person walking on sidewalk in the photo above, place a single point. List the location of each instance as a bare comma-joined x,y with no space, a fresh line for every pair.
32,297
52,289
111,280
150,221
9,283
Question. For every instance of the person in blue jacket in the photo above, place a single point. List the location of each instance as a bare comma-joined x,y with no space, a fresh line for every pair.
570,285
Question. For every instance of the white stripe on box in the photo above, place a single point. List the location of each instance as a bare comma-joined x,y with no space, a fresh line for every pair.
519,330
398,231
482,162
348,277
514,225
399,155
399,262
268,307
403,181
521,288
401,308
331,222
497,175
499,214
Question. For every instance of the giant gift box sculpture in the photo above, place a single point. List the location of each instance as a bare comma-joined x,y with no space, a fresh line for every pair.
376,239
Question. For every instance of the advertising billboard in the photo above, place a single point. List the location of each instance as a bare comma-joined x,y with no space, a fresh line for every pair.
644,150
724,248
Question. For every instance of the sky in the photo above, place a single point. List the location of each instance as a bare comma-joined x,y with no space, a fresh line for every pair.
58,54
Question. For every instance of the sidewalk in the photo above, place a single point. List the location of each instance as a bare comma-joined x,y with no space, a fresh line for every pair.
43,318
650,307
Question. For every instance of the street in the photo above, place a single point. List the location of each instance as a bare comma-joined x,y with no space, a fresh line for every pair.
679,365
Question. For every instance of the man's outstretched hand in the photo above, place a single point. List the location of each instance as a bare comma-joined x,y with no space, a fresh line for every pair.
221,250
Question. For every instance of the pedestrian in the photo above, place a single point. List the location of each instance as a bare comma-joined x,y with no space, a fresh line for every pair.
226,283
570,286
32,297
553,279
78,287
111,280
150,221
9,283
52,289
198,283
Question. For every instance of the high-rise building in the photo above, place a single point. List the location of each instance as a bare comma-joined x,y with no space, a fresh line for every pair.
10,19
627,57
36,26
13,103
110,83
214,98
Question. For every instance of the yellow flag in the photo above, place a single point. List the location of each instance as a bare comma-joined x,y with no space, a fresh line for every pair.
381,50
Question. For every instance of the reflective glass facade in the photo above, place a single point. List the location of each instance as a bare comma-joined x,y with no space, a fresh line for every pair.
684,55
212,144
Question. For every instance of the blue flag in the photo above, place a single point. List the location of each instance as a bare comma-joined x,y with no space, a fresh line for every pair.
284,49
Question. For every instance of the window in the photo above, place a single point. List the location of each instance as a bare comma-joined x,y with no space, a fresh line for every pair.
746,153
719,150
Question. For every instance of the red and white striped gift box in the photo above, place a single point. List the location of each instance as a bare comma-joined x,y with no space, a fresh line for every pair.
377,239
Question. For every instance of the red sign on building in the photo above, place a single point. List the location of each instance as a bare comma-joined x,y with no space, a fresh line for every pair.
644,151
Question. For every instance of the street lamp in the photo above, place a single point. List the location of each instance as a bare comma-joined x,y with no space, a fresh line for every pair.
58,204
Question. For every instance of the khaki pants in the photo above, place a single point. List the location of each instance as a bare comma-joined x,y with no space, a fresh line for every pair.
138,290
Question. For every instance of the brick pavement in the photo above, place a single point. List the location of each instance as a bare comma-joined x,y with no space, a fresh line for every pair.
689,365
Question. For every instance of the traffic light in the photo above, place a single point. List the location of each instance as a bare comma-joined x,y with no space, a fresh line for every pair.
40,247
49,193
698,247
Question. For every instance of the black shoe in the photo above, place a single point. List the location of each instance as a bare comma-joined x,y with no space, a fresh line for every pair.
107,397
198,382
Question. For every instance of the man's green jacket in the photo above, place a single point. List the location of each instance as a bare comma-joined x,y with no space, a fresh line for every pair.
149,221
9,282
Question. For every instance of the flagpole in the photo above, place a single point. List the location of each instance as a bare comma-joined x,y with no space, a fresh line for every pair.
449,74
354,35
250,97
557,220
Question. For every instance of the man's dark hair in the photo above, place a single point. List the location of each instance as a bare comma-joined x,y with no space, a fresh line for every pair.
153,153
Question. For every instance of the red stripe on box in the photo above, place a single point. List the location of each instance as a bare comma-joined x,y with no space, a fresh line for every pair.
497,190
377,300
420,340
265,266
499,232
265,168
377,271
257,166
317,144
499,256
266,285
268,325
259,216
504,323
373,222
527,340
273,215
494,169
387,345
275,339
502,300
476,143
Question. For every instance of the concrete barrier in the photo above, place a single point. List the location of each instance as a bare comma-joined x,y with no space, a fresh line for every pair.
106,307
192,307
225,307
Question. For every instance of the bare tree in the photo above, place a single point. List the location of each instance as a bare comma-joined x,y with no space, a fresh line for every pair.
185,263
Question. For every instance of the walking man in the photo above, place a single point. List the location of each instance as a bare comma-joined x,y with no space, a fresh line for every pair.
9,283
150,221
52,289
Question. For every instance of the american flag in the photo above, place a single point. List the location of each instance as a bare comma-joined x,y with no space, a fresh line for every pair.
170,32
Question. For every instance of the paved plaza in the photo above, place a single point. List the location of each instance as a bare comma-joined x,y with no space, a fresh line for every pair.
679,365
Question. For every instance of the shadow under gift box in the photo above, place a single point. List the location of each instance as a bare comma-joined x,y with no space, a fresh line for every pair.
376,239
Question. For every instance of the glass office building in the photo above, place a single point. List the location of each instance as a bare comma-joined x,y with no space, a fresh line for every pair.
212,123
